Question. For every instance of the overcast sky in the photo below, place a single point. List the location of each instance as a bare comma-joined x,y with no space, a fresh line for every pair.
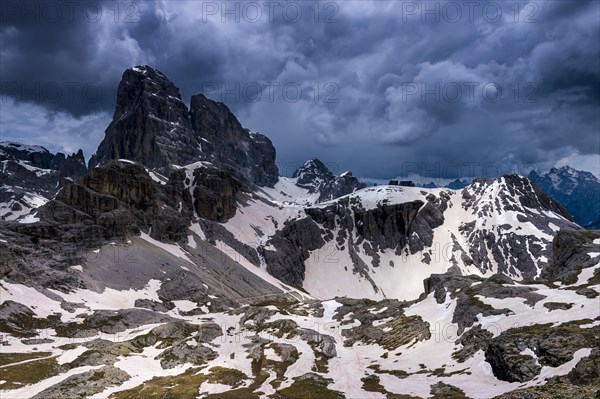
380,88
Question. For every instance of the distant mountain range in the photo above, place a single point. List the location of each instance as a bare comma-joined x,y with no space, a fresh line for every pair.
576,190
30,176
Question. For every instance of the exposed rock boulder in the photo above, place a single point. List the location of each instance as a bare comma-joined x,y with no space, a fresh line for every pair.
587,370
85,384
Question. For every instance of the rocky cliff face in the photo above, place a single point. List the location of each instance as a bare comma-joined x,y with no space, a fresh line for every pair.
122,199
153,126
404,228
227,145
317,178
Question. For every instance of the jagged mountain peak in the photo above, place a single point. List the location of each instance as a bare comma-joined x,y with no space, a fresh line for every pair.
570,172
511,192
40,157
143,81
152,125
316,177
310,171
146,69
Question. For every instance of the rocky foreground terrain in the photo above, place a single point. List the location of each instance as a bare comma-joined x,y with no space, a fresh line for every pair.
180,265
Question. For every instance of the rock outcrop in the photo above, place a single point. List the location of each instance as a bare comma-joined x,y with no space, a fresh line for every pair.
518,354
121,198
571,254
292,245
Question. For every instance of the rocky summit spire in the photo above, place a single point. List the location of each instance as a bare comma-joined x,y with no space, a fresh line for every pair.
150,124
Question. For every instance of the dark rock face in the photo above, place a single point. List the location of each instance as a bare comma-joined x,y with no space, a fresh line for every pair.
216,194
397,226
292,244
587,370
71,166
153,126
387,226
150,124
317,178
121,198
571,254
576,190
229,146
472,341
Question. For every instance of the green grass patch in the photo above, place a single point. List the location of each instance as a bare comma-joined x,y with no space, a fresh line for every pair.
308,389
9,358
182,386
28,373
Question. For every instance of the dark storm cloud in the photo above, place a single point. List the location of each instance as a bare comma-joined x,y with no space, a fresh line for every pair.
378,80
